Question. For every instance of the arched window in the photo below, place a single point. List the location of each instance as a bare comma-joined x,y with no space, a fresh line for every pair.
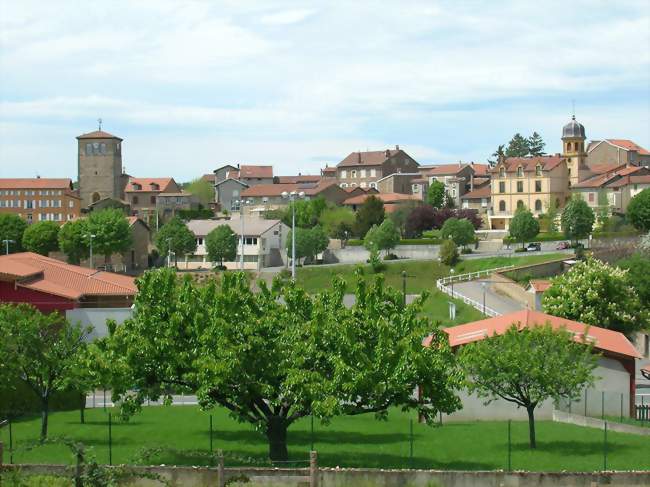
538,205
568,146
102,148
95,197
520,204
502,172
520,172
152,200
502,205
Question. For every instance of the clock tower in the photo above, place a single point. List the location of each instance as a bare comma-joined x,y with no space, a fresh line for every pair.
573,150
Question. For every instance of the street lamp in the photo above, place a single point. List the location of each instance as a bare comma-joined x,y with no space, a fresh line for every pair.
484,286
7,242
451,271
90,237
169,252
241,204
292,198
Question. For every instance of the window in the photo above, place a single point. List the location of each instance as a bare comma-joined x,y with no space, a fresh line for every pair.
353,173
29,204
520,172
502,172
538,205
373,173
344,174
363,184
95,197
520,204
30,217
95,147
344,185
199,241
102,148
520,186
502,205
484,202
363,173
135,200
502,186
57,217
89,149
42,217
152,200
353,185
592,197
538,186
373,185
250,241
568,146
415,188
70,204
453,192
538,170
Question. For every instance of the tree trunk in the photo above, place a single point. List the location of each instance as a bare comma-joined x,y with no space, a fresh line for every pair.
45,410
82,408
276,432
531,426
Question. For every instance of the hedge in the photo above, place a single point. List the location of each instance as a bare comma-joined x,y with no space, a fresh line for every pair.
405,241
555,236
20,399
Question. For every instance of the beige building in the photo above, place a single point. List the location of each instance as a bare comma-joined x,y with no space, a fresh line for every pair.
142,194
617,151
169,204
479,199
398,182
613,190
40,199
364,169
269,196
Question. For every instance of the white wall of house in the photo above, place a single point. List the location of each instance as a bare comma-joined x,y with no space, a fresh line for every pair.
97,317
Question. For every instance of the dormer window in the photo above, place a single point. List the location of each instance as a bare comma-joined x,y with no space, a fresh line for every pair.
502,172
538,170
137,186
520,172
155,187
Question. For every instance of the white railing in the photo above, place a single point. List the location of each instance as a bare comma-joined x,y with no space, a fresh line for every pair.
470,276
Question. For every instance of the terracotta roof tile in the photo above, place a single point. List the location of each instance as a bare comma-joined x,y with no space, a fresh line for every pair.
273,190
482,192
36,183
629,145
603,168
540,285
255,171
145,183
442,169
301,178
98,134
369,158
385,197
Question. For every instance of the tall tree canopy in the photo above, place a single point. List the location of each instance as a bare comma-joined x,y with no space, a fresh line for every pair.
382,237
111,230
221,244
436,194
460,231
284,357
309,242
174,236
74,241
536,145
41,237
598,294
638,211
524,226
577,219
202,189
528,366
370,213
12,228
518,146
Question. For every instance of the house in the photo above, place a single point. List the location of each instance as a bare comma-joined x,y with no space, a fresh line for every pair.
613,190
142,195
40,199
398,182
169,204
83,295
364,169
617,151
479,199
269,196
392,201
328,172
615,372
538,287
231,181
264,243
457,178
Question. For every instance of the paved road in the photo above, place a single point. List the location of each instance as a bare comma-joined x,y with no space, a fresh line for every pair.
474,290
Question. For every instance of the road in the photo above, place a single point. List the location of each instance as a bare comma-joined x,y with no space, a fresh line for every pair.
474,290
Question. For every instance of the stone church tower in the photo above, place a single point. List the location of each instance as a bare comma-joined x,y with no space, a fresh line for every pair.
99,167
573,150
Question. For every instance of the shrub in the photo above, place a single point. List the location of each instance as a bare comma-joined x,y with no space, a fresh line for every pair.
375,262
466,250
460,231
448,253
420,219
390,257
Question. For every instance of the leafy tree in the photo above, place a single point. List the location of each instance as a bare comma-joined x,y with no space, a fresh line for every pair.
471,215
221,244
449,201
448,252
536,145
550,217
638,211
460,231
370,213
41,237
441,216
577,219
436,194
382,237
638,273
419,219
283,357
399,217
202,189
597,294
43,348
603,209
12,227
73,240
335,220
341,231
524,226
174,236
111,230
644,244
518,146
309,242
497,155
308,212
527,366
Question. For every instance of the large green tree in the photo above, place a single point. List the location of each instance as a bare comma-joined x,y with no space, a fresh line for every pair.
638,273
43,350
436,194
536,145
382,237
309,242
174,236
523,226
308,212
221,244
518,146
41,237
527,366
74,240
577,219
202,189
335,220
638,211
12,228
460,231
112,234
598,294
370,213
288,354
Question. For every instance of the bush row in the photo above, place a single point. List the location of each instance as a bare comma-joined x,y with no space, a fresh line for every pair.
20,399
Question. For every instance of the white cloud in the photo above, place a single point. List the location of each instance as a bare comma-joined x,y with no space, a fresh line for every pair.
286,17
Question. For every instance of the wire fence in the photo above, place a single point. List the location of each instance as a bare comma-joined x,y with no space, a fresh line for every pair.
611,406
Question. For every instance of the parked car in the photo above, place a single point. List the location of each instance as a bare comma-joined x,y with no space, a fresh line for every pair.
533,246
563,246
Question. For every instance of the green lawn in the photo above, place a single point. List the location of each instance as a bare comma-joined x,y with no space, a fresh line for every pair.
182,434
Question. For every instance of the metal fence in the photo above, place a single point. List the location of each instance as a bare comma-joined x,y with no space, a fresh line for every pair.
610,406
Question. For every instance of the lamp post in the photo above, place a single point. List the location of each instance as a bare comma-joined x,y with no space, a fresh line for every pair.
242,203
7,242
292,198
169,252
484,286
451,271
90,237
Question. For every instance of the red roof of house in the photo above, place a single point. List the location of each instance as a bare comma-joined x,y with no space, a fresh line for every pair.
482,192
628,145
254,172
146,183
481,169
601,338
385,197
36,183
98,134
634,179
329,169
603,168
540,285
604,178
274,190
529,163
40,273
208,177
441,169
369,158
300,178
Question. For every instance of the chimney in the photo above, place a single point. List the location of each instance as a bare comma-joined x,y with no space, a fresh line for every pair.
38,176
359,157
396,146
238,166
387,153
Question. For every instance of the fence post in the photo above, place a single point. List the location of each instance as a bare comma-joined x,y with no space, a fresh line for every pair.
509,446
11,444
313,469
110,440
312,433
585,402
411,444
621,407
602,405
605,449
210,434
220,469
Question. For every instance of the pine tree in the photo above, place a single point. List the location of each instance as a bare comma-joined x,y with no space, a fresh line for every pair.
518,146
536,145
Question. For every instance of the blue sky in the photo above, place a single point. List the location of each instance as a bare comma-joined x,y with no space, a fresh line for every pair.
193,85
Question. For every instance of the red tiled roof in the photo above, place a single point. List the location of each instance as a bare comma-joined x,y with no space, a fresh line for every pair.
208,177
98,134
301,178
385,197
274,190
540,285
441,169
601,338
40,273
482,192
603,168
480,181
634,179
254,172
329,169
605,178
370,158
628,145
481,169
146,183
36,183
529,163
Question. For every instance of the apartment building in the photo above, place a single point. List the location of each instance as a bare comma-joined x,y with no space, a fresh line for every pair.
40,199
365,169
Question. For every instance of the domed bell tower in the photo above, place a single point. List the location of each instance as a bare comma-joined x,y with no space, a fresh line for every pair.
573,145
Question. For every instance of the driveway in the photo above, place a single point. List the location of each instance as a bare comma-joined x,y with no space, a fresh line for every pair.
474,290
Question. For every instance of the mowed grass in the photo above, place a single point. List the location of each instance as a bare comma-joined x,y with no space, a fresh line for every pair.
182,434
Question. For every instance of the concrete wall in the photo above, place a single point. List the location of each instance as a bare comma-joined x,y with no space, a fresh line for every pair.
96,317
503,285
335,477
358,254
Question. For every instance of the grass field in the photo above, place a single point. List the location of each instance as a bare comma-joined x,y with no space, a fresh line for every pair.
182,433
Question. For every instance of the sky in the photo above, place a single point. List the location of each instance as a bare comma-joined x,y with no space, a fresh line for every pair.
191,86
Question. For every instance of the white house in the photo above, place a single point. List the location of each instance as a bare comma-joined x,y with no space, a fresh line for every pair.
264,243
